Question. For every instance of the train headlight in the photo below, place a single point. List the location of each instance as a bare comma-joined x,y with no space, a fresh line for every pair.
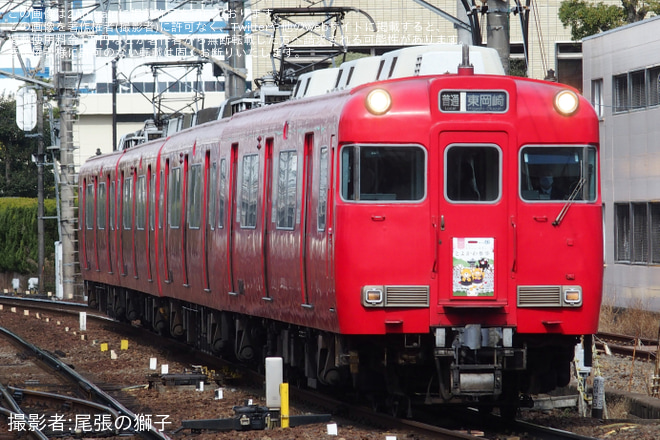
378,101
572,295
566,102
372,295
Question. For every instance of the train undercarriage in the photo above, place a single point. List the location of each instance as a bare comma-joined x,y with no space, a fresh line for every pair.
486,368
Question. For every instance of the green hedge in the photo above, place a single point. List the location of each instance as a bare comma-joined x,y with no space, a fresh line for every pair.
19,251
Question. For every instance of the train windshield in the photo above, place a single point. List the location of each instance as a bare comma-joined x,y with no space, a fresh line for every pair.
383,173
558,173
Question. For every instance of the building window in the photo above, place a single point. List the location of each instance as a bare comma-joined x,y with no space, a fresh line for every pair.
654,232
622,232
637,232
653,85
597,97
287,189
640,238
637,90
620,84
249,191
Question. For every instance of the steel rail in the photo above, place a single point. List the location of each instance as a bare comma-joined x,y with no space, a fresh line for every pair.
90,388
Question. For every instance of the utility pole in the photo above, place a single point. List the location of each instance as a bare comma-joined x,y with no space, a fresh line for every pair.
498,30
235,55
67,82
40,187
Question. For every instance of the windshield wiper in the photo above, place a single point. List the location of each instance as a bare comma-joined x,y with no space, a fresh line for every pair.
569,202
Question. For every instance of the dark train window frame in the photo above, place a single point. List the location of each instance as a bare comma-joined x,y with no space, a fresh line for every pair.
127,203
174,198
113,205
194,196
101,203
286,190
222,193
249,191
140,203
456,190
212,198
152,200
324,184
528,190
89,206
351,174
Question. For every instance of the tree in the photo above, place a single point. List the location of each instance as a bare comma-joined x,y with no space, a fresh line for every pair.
586,18
18,174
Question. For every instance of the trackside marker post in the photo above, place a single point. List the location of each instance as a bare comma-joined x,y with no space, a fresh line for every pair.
83,321
284,410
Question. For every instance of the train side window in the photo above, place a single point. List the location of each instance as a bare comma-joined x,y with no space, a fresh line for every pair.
323,189
558,173
472,173
89,206
113,206
383,173
127,205
222,194
140,202
213,193
287,189
194,207
174,198
102,200
249,191
152,200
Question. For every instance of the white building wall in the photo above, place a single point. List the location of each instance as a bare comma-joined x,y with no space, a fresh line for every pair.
630,152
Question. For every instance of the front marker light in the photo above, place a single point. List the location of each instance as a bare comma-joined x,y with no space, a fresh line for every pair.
378,101
373,295
566,102
572,296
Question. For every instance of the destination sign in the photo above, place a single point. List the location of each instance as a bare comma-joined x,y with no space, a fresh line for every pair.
473,101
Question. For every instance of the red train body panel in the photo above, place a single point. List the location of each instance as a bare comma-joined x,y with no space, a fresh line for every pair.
425,222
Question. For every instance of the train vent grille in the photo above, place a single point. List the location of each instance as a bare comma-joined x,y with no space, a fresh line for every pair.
406,296
539,296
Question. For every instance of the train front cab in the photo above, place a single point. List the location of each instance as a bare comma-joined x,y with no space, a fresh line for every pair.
472,269
521,263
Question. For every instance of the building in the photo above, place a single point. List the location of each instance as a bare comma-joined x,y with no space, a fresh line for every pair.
622,80
138,35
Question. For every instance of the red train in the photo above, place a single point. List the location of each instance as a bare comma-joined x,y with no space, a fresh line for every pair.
434,238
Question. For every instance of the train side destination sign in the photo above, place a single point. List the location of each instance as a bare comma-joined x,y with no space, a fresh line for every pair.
473,101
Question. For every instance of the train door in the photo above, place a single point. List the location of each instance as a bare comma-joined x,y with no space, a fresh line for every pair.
267,213
102,225
87,223
473,266
306,227
112,222
151,210
233,189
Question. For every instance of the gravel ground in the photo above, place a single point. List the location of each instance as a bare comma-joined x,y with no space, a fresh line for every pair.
129,371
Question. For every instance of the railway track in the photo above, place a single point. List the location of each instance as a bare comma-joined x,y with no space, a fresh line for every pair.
57,401
433,428
629,346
